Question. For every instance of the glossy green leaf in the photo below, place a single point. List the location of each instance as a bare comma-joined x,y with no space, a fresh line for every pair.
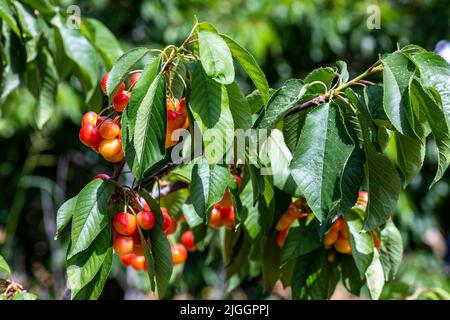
410,155
4,267
7,15
360,241
300,241
322,152
65,214
126,63
248,62
375,277
90,216
350,275
391,250
239,107
397,74
103,40
215,57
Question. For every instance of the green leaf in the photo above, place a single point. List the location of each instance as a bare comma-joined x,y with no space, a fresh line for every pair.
373,98
422,100
47,88
350,275
322,152
435,72
7,15
343,71
24,296
215,57
209,105
78,49
43,6
65,214
93,289
270,267
397,74
90,216
300,241
4,267
324,75
103,40
352,179
84,266
28,22
122,67
239,107
248,62
391,250
410,155
361,242
208,185
178,79
160,248
280,103
375,277
144,121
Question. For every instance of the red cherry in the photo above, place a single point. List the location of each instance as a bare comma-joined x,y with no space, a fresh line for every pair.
123,245
90,135
89,117
138,263
172,104
172,227
121,100
134,78
126,259
124,223
103,176
227,216
104,80
226,201
109,129
146,219
215,221
179,253
167,220
139,249
188,240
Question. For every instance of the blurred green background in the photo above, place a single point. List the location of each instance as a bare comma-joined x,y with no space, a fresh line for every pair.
289,38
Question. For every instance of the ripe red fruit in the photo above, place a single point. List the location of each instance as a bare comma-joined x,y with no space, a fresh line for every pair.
215,221
179,253
134,78
167,219
136,237
175,120
146,219
188,240
121,100
146,207
104,80
139,249
103,176
90,135
281,237
124,223
109,148
89,117
117,158
238,180
172,104
227,217
138,263
226,201
100,120
109,129
172,227
123,245
126,259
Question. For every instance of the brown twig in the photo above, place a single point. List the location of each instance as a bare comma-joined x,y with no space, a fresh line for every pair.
166,190
152,178
311,103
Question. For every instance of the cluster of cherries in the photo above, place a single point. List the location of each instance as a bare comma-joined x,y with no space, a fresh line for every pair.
296,210
222,214
104,134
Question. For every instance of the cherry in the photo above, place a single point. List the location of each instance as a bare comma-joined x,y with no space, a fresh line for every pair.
103,176
110,148
342,245
134,78
376,240
121,100
330,256
291,214
179,253
238,180
123,245
167,219
363,198
344,231
182,218
136,237
227,217
172,104
124,223
109,129
146,219
226,201
172,227
185,112
103,84
100,120
215,221
117,158
330,238
147,207
175,120
139,249
138,263
126,259
89,117
188,240
90,135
